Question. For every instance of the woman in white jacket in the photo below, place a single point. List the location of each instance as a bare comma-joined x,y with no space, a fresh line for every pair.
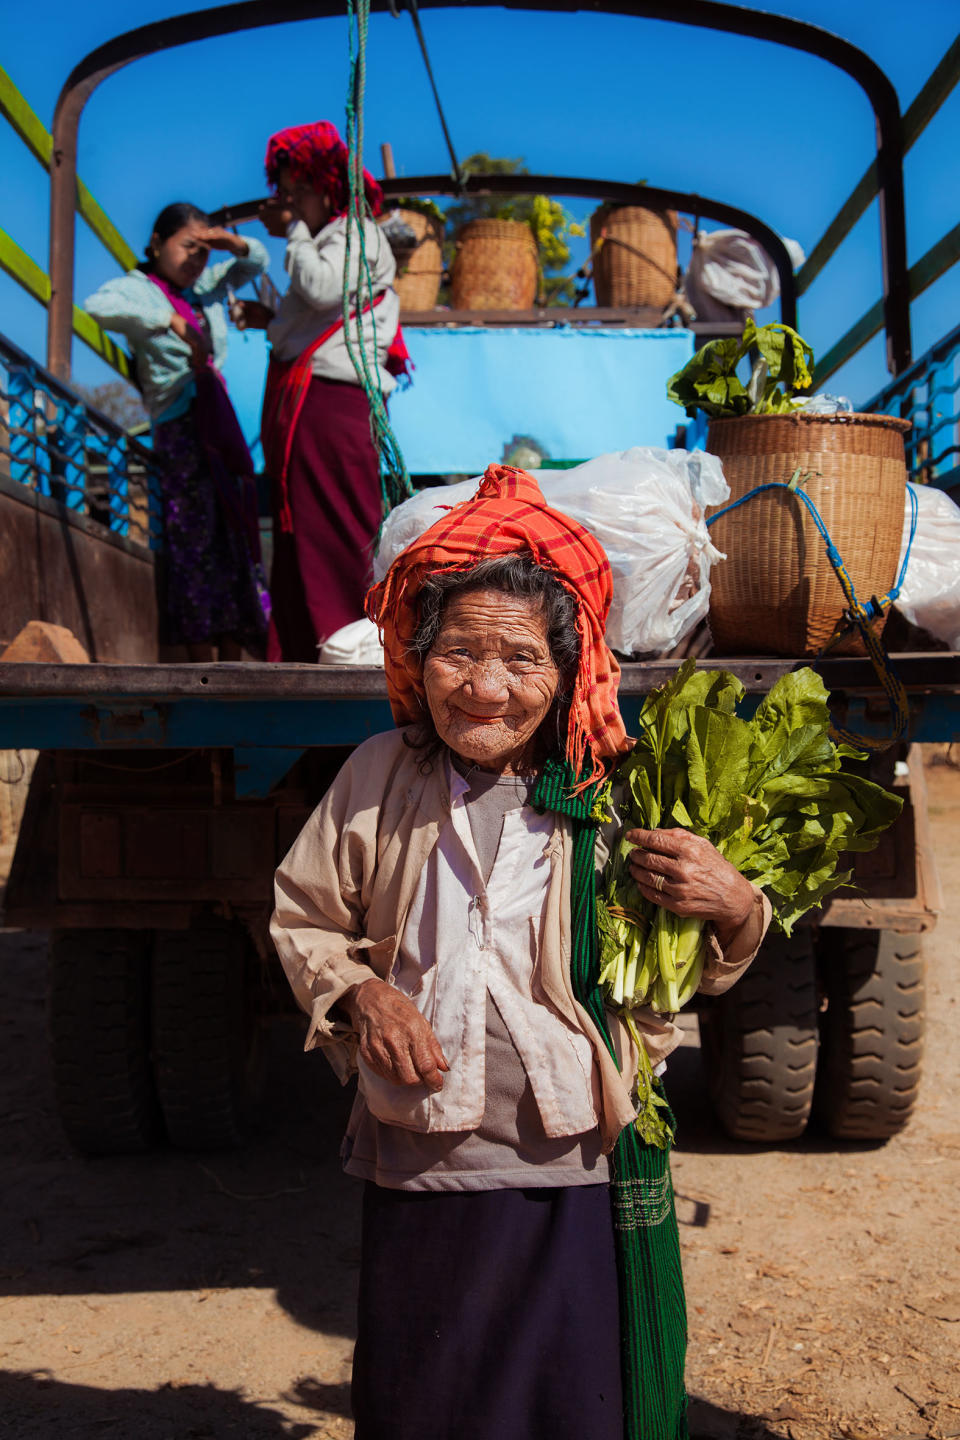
316,418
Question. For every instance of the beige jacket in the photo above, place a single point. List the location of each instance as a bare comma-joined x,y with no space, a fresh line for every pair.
344,891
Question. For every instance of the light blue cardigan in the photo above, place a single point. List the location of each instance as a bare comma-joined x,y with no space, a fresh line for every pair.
136,308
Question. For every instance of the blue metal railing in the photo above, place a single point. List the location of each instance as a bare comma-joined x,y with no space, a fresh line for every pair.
60,447
928,394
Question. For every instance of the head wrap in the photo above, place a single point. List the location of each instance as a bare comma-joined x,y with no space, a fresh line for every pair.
509,515
315,155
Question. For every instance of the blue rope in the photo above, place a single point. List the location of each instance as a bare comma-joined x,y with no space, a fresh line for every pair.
874,608
856,614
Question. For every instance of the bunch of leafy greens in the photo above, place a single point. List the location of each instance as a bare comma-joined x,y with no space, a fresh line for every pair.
709,382
769,792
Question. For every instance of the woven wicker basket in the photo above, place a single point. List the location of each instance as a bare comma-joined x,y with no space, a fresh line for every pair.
777,593
418,283
634,255
496,266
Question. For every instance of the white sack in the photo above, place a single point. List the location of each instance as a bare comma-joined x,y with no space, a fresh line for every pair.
645,506
930,596
729,271
355,644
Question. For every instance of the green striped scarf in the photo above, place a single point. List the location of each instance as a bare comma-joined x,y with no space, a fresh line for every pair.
653,1316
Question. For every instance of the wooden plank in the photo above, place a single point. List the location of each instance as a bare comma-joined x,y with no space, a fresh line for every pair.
38,140
917,118
922,275
935,673
28,275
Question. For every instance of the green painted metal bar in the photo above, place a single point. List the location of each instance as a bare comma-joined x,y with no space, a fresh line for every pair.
915,121
38,140
922,275
28,275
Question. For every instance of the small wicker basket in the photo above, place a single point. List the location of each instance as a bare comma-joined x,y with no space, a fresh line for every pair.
496,266
776,593
418,281
634,255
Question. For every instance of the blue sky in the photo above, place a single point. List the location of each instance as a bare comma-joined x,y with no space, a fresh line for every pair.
778,133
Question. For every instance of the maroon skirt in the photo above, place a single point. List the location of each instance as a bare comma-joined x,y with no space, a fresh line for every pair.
321,571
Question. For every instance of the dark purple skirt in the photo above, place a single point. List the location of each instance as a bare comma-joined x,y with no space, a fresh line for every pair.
209,586
488,1315
321,572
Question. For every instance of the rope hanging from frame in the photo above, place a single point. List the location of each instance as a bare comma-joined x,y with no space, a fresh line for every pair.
394,480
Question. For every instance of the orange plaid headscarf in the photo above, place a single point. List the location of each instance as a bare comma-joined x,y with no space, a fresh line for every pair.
509,514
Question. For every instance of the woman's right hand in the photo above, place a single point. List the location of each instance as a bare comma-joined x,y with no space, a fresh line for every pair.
395,1039
275,215
250,314
199,344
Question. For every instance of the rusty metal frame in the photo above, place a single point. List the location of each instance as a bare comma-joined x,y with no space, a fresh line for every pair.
615,191
252,14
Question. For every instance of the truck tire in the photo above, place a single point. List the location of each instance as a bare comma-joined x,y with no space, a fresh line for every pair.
759,1043
209,1055
871,1036
99,1023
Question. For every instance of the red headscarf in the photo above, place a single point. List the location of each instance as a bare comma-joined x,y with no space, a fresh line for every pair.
507,515
315,155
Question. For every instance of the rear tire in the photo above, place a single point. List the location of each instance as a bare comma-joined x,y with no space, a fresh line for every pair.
759,1043
98,1009
871,1039
209,1055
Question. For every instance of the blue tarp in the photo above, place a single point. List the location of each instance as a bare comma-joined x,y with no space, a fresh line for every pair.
576,392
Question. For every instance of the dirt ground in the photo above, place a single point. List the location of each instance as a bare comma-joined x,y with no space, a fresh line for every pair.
189,1296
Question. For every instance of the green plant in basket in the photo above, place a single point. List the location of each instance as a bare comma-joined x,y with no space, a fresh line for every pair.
549,222
710,382
769,791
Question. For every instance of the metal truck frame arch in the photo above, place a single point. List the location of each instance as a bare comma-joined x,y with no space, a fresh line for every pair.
161,35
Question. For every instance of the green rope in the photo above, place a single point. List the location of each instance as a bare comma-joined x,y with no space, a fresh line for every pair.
394,481
653,1317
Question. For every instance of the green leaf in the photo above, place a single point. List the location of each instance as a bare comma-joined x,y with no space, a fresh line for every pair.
709,380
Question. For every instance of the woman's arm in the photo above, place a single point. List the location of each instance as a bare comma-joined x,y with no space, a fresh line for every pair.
318,930
130,305
316,274
249,259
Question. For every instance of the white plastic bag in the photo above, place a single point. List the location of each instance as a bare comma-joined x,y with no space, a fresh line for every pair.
355,644
646,508
730,273
930,596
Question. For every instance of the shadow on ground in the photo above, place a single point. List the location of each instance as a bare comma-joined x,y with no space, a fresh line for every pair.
34,1405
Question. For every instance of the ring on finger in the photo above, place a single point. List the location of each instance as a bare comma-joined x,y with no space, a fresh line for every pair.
658,882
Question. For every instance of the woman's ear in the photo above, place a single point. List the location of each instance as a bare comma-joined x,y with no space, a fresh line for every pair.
154,247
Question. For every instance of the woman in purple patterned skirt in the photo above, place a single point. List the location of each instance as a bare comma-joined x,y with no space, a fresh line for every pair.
171,310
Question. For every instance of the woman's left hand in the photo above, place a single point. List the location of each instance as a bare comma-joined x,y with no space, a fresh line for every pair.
687,875
217,237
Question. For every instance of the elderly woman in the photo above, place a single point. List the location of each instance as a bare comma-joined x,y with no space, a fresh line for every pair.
436,919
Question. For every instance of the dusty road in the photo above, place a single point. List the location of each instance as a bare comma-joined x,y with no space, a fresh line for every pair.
178,1296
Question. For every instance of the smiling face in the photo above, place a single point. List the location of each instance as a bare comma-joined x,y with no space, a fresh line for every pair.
181,257
490,679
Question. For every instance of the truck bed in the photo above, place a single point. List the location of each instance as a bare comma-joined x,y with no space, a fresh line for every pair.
253,705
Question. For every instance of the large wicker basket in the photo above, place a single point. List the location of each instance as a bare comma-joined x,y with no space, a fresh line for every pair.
418,280
634,255
776,593
496,266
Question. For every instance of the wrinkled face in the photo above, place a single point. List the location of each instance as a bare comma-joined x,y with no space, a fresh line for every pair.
181,257
306,203
490,679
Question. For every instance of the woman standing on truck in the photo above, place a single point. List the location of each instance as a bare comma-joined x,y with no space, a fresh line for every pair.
171,310
316,416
